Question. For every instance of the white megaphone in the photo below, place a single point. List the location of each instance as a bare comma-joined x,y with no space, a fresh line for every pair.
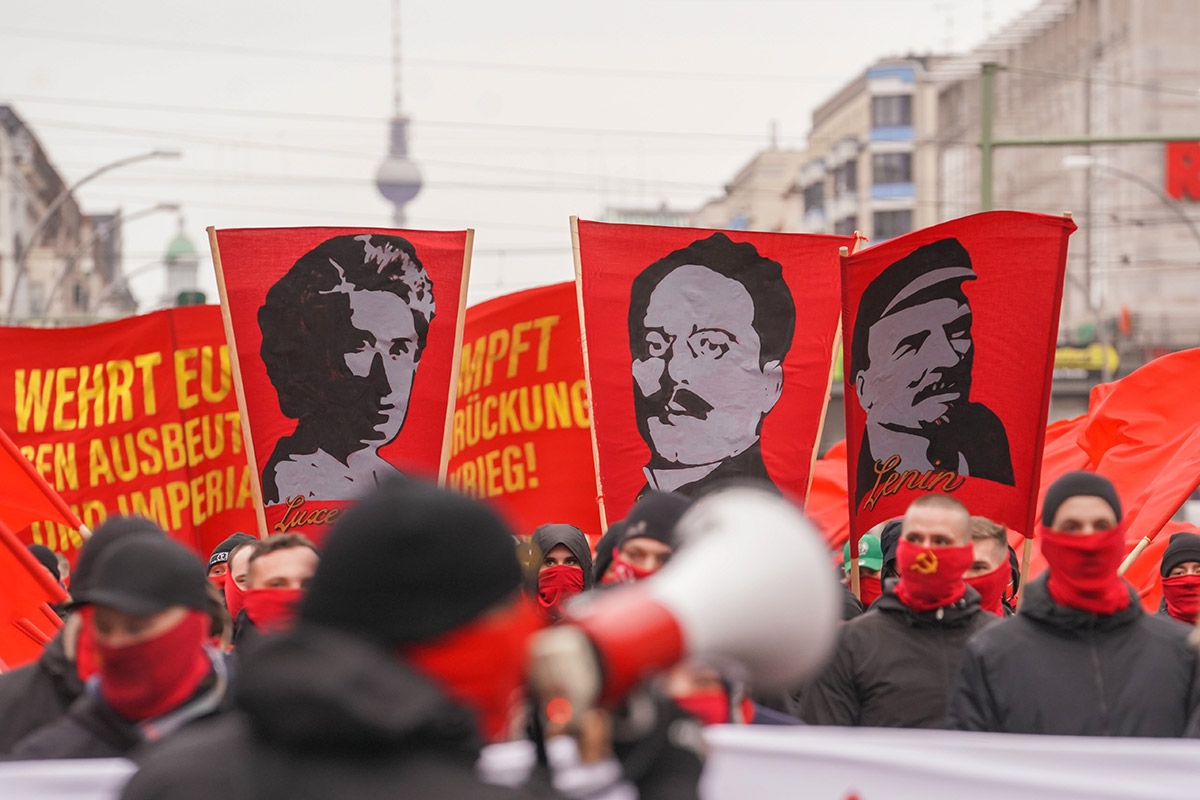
750,588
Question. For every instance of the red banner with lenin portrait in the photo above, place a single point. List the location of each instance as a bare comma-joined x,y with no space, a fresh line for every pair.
708,355
949,352
344,343
521,437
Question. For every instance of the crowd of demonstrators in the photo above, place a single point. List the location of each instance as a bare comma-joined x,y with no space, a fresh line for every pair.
1081,657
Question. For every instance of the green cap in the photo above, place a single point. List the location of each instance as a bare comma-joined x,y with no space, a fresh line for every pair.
870,553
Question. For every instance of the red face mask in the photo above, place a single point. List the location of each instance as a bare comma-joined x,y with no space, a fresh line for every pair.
86,660
931,577
235,598
991,586
556,585
1083,569
712,707
218,580
622,571
148,679
481,663
1182,594
869,589
272,610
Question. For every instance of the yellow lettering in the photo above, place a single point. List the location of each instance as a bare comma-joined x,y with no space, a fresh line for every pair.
184,376
91,395
544,324
33,400
517,346
62,396
146,362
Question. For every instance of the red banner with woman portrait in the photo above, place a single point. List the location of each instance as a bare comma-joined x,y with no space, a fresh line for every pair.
948,359
521,437
708,355
344,344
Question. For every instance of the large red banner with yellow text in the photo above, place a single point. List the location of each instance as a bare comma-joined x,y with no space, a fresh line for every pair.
521,435
709,355
345,341
136,416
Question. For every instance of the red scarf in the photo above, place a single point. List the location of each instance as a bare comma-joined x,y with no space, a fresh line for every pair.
931,577
1083,569
869,589
556,585
147,679
481,663
1182,593
272,610
991,586
622,571
235,598
712,707
219,581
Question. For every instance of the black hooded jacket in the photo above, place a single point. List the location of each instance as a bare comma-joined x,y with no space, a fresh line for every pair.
893,667
1058,670
37,694
323,714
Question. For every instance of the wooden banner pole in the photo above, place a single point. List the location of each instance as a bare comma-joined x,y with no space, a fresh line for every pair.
1133,555
587,372
444,460
1026,555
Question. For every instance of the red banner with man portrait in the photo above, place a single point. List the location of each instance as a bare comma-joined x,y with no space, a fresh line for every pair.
521,437
136,416
344,346
949,338
708,354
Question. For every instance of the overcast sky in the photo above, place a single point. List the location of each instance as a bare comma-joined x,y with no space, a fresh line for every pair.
524,112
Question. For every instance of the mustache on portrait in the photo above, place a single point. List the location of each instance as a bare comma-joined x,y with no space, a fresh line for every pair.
675,401
953,379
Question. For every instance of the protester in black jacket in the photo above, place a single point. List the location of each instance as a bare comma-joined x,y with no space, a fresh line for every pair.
894,666
149,617
1080,658
40,693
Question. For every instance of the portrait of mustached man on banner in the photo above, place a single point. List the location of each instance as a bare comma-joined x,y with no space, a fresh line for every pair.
709,327
911,365
342,336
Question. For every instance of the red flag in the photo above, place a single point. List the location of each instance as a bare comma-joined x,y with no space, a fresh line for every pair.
345,345
946,388
27,589
27,498
708,355
826,505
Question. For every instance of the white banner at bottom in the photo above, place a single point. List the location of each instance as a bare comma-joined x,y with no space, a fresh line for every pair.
818,763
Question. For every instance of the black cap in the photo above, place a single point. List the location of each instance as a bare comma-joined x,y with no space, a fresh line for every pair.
220,553
110,531
143,575
46,558
1076,484
547,537
889,538
409,562
655,517
1182,548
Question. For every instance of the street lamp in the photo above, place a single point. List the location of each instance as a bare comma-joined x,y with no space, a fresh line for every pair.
56,203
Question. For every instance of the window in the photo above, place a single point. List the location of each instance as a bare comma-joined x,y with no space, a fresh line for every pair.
891,168
845,226
845,179
892,223
891,111
814,197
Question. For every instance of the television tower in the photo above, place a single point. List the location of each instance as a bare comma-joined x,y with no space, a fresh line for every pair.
398,178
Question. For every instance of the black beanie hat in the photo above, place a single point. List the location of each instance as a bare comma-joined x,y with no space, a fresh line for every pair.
604,549
1182,548
409,562
655,516
143,575
221,553
111,530
547,537
889,538
1075,484
46,558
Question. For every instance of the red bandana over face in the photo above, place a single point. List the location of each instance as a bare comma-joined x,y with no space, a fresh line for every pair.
147,679
272,609
623,571
991,586
869,589
1083,569
712,707
556,585
931,577
1182,593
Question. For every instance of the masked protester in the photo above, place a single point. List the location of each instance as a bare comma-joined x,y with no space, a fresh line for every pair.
990,573
407,654
39,693
1180,571
648,539
893,666
562,566
870,562
218,562
703,692
148,616
1080,658
237,580
278,571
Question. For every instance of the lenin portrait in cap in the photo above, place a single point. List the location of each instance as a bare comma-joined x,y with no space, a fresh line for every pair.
342,335
910,365
709,327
